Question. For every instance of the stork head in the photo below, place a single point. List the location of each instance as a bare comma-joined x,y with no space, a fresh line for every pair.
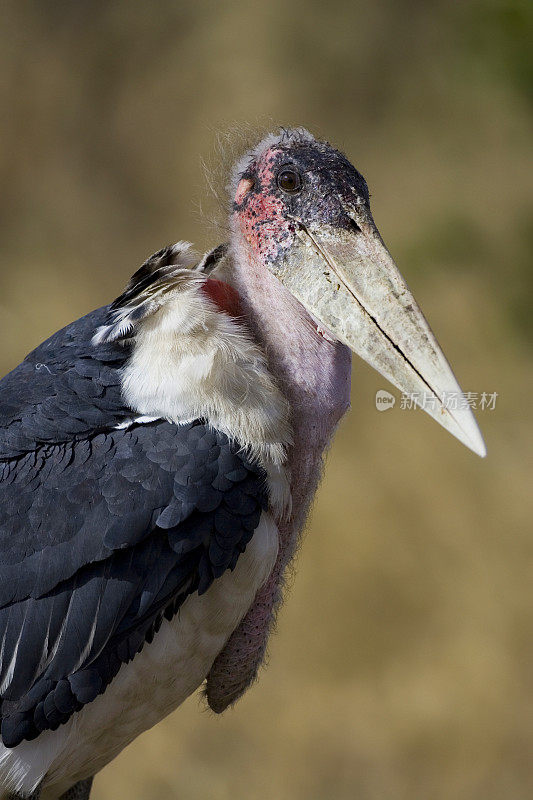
302,212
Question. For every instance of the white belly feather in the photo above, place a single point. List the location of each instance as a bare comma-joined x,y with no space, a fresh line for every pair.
158,680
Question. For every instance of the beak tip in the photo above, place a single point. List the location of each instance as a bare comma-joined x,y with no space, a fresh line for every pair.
471,435
479,449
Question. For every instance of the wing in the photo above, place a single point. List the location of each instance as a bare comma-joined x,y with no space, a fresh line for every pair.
103,531
62,391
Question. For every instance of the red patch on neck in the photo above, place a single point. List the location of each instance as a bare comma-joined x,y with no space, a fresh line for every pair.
224,296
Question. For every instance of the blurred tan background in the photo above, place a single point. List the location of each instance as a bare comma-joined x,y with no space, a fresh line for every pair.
403,663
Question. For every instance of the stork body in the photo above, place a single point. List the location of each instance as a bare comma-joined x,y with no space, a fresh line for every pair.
158,459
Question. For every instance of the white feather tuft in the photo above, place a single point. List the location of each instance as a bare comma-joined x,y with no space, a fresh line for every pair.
190,361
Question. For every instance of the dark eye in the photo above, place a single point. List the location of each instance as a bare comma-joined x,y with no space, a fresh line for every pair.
289,180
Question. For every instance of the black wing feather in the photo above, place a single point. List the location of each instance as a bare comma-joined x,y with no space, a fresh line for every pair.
103,531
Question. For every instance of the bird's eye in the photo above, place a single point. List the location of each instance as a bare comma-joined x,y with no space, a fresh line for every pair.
289,180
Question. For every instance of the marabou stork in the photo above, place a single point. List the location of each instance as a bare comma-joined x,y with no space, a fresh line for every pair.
158,458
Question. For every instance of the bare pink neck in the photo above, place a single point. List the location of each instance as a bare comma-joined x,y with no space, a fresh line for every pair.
313,373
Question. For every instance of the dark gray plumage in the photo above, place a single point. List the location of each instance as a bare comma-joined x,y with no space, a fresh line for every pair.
103,531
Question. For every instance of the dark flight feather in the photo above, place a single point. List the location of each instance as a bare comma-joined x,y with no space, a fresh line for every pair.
103,531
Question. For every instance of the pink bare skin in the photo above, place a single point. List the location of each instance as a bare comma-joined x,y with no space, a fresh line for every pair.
314,374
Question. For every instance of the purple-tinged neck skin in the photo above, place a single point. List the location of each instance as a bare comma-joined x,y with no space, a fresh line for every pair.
314,374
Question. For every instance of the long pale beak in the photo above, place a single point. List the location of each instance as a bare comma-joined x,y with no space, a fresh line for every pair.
348,281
